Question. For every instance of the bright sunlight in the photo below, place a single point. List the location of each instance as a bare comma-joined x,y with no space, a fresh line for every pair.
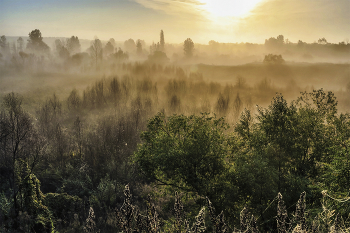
229,8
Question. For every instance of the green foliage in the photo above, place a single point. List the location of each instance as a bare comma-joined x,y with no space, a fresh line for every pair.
31,200
186,152
76,180
107,193
279,150
287,148
336,173
63,206
5,205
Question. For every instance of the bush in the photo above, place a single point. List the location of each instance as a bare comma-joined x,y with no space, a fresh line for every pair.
63,206
273,59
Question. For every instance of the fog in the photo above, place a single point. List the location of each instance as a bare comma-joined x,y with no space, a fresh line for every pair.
39,67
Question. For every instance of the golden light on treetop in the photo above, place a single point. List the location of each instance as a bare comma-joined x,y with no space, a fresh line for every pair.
229,8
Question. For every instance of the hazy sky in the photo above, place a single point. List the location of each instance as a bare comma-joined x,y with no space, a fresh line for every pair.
201,20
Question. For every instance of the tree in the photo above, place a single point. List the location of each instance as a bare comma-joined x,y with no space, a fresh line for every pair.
120,56
36,43
186,152
108,49
336,174
96,51
158,57
130,45
31,200
3,42
275,42
61,49
112,41
162,42
188,47
14,48
4,45
273,59
139,48
280,39
282,148
20,44
301,43
73,45
18,139
322,41
79,59
152,48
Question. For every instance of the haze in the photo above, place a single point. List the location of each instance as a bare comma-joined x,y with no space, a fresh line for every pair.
202,20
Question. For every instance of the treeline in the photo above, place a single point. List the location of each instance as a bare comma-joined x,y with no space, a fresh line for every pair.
85,149
283,45
67,55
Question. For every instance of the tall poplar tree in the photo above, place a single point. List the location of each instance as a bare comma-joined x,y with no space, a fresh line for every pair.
162,42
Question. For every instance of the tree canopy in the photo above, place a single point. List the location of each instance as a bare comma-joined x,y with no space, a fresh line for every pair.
188,47
36,43
185,151
280,150
73,45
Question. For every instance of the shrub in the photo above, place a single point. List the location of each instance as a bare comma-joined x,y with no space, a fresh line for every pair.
273,59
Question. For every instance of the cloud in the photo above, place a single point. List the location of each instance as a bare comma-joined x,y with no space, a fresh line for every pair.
175,7
299,19
194,2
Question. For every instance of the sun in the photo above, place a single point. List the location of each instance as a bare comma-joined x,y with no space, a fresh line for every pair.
229,8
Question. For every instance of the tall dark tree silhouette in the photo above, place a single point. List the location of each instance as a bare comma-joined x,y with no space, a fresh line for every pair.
36,43
280,39
188,47
73,45
162,42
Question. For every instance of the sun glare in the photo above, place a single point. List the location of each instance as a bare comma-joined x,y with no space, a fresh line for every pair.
229,8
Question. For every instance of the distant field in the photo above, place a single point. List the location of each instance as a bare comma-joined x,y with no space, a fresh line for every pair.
289,79
320,75
261,81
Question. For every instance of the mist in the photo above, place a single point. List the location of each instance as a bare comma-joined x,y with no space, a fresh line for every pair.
89,106
236,69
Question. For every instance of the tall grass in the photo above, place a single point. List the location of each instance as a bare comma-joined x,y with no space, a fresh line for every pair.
129,218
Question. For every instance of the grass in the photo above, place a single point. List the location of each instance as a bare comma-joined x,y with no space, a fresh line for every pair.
129,218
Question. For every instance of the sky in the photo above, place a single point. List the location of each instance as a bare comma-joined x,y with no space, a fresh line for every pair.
226,21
